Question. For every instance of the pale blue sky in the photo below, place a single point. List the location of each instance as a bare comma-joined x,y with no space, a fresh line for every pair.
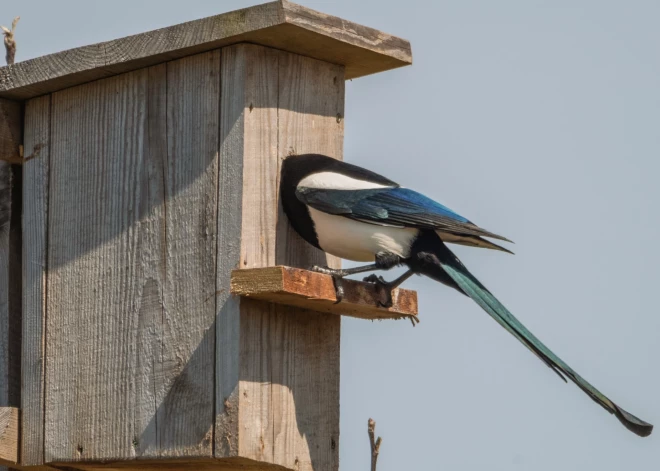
538,120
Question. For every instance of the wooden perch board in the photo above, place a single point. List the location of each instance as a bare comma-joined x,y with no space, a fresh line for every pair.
280,25
315,291
9,418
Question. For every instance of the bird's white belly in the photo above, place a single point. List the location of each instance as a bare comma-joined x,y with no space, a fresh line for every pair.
360,241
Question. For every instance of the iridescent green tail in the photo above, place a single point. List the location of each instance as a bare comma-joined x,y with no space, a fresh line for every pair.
475,290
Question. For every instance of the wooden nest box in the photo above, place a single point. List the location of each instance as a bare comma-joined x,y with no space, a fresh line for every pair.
145,170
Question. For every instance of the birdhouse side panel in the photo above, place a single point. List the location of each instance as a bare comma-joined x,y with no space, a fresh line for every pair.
130,333
288,373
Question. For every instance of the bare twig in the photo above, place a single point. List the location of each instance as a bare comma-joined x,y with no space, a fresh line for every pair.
10,41
375,444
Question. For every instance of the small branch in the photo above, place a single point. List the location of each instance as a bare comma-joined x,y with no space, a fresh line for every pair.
375,444
10,41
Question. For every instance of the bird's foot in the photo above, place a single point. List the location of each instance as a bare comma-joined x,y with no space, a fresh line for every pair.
383,288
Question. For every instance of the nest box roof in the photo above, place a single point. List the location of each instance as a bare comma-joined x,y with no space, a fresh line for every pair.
281,25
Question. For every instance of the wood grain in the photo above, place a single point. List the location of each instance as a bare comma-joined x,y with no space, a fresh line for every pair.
281,25
11,131
94,283
250,85
7,318
310,120
10,285
305,403
15,289
288,412
139,240
5,226
35,227
9,427
193,125
230,204
130,338
154,365
316,292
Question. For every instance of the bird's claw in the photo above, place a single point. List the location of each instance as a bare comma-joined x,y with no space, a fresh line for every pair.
339,288
373,278
336,275
383,288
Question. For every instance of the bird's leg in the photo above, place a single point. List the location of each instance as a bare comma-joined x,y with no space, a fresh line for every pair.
384,261
385,288
342,272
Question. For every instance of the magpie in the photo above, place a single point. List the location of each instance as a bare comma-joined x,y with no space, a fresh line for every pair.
356,214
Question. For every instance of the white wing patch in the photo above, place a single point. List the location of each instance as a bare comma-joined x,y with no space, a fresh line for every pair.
337,181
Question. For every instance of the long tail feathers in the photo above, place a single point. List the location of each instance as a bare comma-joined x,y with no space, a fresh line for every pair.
475,290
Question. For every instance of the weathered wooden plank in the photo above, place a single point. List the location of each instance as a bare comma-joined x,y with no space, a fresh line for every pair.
260,161
230,203
132,248
311,120
154,364
250,93
7,320
10,285
304,352
9,426
288,412
11,131
193,102
35,226
15,289
280,25
95,288
5,224
305,403
316,292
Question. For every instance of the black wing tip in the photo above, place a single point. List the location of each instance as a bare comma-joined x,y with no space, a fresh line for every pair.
492,235
504,239
507,251
494,246
632,423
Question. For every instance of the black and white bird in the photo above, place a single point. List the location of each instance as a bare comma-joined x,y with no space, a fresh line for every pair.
356,214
